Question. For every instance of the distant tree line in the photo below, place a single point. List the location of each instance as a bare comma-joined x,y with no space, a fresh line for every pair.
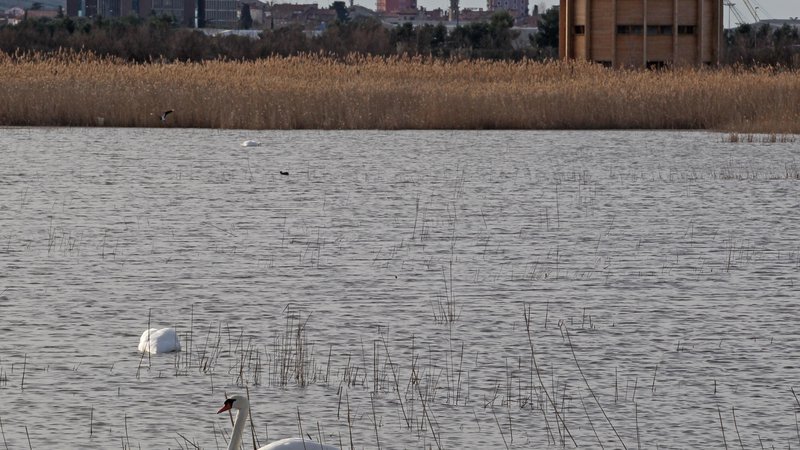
143,39
763,45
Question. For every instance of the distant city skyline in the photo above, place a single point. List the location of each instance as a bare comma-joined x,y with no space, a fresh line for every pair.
444,4
767,9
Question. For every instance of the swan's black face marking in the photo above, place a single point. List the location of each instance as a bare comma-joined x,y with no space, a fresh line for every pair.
228,405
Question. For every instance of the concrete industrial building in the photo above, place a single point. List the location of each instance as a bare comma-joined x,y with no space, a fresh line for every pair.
641,33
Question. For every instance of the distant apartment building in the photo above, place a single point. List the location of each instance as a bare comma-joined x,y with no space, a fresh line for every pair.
220,13
42,13
94,8
396,6
107,8
14,11
515,7
182,10
641,33
257,12
285,14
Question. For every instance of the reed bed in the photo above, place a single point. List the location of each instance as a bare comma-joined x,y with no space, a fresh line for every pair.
361,92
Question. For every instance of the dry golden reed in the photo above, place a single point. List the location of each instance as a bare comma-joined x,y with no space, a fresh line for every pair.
314,91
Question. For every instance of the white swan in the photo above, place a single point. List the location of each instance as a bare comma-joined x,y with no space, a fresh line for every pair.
164,340
251,144
242,406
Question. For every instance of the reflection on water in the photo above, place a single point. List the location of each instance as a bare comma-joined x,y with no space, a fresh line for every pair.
378,292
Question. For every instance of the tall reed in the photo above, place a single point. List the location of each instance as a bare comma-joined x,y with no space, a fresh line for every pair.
362,92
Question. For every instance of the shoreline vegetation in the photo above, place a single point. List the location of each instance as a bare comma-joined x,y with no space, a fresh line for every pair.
314,91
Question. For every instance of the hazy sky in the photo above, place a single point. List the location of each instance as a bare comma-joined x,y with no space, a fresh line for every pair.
767,9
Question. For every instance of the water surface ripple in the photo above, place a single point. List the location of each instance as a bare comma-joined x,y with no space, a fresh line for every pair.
379,290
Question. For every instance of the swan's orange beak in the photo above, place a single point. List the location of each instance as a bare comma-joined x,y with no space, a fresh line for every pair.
225,407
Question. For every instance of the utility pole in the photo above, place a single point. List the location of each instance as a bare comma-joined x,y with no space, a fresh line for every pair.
730,6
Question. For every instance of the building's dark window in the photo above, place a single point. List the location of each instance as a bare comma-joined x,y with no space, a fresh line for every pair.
685,29
580,29
659,30
630,29
655,65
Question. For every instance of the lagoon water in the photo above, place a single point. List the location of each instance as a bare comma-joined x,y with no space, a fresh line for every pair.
378,293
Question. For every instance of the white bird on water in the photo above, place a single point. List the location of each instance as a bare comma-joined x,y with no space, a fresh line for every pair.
251,144
164,340
242,406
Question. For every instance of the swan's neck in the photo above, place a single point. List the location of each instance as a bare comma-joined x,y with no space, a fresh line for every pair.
238,428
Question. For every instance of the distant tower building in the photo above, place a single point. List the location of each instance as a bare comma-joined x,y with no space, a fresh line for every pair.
201,14
396,6
454,10
641,33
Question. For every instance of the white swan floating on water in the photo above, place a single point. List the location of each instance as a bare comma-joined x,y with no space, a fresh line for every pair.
242,406
251,144
164,340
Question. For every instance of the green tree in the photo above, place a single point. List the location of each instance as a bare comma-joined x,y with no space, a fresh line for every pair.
341,11
751,45
365,35
404,38
285,41
431,39
500,29
546,40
